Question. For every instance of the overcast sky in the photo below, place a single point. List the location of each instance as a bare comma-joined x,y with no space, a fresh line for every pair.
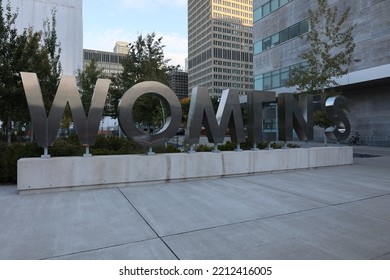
105,23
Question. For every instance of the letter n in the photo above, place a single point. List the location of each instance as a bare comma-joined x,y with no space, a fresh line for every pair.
46,128
257,114
297,115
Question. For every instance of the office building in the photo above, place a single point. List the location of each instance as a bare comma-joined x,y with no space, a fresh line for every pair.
278,25
121,47
69,17
220,45
108,62
179,83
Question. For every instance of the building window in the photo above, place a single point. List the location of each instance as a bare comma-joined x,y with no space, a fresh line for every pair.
276,78
288,33
268,8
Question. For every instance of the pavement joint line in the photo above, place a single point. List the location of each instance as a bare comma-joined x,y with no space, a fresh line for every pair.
246,221
359,213
143,218
385,254
310,198
361,199
97,249
291,193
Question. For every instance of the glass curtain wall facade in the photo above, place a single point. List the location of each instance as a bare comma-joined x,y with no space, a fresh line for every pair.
220,45
278,25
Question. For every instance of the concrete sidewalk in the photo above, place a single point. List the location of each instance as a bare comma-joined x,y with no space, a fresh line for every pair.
324,213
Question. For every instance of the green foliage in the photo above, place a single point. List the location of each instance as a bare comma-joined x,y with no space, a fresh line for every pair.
228,146
320,116
116,146
166,149
203,148
330,53
70,146
27,51
145,62
86,81
10,154
185,108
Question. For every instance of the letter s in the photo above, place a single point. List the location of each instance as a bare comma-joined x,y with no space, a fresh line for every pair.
336,108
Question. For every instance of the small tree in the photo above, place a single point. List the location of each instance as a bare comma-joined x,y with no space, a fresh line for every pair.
25,50
86,81
330,53
328,57
145,62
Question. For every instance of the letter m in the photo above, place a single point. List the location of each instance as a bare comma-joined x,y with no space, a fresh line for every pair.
46,127
228,116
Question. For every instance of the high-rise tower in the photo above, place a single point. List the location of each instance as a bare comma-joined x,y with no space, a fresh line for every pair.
69,27
220,45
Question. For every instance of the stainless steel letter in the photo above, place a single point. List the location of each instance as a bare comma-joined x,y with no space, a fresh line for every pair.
126,120
336,108
256,116
202,112
295,115
229,114
46,128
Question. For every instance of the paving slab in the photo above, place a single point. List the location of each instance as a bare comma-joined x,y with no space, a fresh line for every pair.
326,233
323,213
322,185
378,207
188,206
153,249
47,225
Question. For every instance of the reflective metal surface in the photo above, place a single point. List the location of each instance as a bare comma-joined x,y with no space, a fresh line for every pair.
336,108
256,115
297,115
228,116
127,122
46,128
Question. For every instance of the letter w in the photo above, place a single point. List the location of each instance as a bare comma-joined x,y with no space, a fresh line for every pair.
46,128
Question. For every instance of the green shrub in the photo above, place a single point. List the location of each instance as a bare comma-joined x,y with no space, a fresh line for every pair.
9,156
203,148
228,146
167,149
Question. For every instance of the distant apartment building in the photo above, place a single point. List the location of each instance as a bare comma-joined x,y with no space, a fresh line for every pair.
179,83
111,63
121,47
108,62
220,45
278,25
69,17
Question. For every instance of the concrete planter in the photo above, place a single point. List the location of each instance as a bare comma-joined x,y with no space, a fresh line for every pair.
71,173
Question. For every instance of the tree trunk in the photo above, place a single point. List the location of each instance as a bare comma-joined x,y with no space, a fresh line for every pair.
9,131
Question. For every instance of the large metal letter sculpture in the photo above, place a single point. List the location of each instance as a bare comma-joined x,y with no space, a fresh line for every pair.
46,128
295,115
229,115
128,125
256,114
202,112
336,110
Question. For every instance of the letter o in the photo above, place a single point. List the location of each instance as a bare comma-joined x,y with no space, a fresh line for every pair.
126,121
